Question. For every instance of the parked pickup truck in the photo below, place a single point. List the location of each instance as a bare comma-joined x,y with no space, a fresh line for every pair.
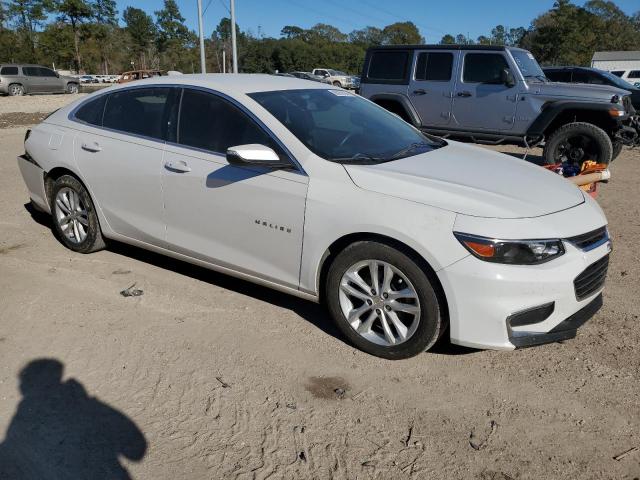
337,78
495,94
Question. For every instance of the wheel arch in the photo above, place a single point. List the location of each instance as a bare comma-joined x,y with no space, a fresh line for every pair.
398,104
346,240
55,173
556,114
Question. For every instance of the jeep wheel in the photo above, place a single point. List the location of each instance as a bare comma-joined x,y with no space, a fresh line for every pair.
617,148
576,143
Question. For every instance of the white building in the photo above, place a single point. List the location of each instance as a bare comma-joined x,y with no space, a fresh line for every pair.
626,65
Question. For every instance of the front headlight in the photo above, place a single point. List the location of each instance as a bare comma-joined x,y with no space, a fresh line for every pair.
513,252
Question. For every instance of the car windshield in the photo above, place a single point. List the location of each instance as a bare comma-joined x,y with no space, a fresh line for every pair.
337,72
343,127
617,81
527,64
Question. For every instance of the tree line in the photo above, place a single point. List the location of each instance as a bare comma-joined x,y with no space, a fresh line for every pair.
92,36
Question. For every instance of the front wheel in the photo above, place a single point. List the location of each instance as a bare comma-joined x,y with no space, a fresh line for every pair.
617,149
382,301
337,84
72,88
576,143
75,220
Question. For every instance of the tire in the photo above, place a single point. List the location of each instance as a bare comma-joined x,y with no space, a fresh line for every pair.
82,233
337,84
72,88
422,325
617,149
16,90
576,143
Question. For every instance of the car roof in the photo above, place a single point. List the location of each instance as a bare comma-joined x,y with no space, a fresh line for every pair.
442,47
238,83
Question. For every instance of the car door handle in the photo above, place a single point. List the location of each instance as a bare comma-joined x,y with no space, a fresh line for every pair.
420,91
91,147
464,94
177,166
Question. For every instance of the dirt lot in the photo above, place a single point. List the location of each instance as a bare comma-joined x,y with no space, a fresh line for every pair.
205,376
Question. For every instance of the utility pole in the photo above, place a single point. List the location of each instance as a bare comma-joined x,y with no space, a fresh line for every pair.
224,61
203,67
234,47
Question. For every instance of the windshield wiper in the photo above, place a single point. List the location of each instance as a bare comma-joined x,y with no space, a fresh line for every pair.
409,149
360,158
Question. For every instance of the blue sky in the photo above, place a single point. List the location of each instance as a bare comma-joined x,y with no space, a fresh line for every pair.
475,17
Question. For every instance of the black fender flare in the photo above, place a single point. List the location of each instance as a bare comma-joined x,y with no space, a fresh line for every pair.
402,100
551,111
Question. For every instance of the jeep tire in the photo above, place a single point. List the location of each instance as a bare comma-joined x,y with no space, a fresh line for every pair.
577,142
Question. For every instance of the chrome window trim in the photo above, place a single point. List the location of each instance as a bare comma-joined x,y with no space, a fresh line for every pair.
71,117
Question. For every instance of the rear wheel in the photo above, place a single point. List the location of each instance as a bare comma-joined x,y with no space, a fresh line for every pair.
74,217
15,89
383,301
72,88
576,143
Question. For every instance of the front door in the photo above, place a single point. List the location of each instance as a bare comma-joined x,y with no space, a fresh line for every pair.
482,102
246,219
50,80
431,86
35,81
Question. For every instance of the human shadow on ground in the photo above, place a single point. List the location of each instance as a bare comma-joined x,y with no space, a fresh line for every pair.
59,432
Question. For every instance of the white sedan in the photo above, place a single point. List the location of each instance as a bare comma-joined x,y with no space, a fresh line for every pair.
319,193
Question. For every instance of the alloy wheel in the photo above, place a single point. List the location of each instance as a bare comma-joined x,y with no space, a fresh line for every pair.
71,215
379,302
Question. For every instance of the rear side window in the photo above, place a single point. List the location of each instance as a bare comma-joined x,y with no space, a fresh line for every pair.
31,71
558,75
91,112
214,124
389,65
434,66
140,111
9,71
483,68
634,74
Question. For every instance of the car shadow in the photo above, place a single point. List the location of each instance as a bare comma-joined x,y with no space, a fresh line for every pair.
315,314
60,431
531,158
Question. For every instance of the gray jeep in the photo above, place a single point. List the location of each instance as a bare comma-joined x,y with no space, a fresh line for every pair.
494,94
19,79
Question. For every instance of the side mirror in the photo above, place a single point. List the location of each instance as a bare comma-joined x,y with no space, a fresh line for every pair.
256,155
507,78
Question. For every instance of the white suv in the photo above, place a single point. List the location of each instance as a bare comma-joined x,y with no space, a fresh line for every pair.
322,194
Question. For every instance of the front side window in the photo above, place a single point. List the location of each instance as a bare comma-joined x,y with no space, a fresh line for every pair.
634,74
563,76
9,71
211,123
484,68
46,72
389,65
140,111
434,66
339,126
618,73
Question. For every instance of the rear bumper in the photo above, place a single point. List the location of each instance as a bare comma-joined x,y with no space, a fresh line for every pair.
33,176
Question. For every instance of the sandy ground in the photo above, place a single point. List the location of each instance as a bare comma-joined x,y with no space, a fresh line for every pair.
207,377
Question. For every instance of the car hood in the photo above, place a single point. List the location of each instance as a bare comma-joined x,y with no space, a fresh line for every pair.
577,90
472,181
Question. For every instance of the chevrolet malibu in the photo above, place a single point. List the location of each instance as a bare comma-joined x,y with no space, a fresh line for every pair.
317,192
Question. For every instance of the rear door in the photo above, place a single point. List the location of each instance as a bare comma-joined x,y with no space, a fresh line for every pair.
482,102
119,153
431,86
